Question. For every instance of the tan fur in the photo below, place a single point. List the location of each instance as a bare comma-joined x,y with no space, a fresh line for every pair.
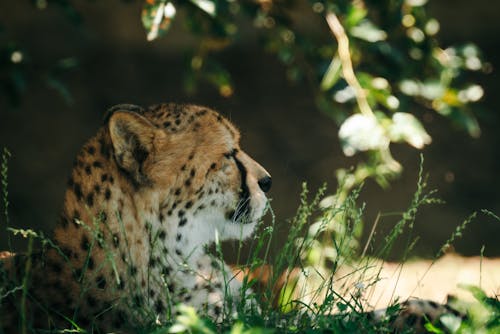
139,193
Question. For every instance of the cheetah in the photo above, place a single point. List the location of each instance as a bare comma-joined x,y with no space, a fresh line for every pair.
147,194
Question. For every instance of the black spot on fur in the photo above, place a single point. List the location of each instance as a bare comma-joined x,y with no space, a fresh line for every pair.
138,300
188,204
433,304
162,235
85,244
181,213
97,188
56,267
76,215
132,270
107,194
88,170
67,252
64,222
120,319
165,271
90,199
91,301
97,164
187,183
177,192
104,177
159,308
178,237
77,188
215,264
412,319
167,124
178,251
78,274
230,214
101,282
90,263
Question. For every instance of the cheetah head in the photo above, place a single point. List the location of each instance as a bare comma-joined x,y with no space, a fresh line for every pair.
184,165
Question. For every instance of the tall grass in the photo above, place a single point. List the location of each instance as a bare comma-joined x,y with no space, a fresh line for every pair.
299,293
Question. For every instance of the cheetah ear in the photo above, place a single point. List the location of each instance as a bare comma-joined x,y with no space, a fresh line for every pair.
132,136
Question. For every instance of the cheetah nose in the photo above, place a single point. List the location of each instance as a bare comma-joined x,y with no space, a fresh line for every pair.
265,183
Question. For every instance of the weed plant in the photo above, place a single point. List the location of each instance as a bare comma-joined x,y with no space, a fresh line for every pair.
299,293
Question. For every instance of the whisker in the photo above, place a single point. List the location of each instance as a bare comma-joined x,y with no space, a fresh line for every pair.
241,209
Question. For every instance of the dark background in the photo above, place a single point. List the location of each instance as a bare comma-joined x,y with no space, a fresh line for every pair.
280,125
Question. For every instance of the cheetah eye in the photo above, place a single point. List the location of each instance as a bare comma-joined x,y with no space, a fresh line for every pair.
229,159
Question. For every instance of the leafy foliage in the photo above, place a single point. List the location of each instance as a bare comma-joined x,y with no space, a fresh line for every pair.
376,67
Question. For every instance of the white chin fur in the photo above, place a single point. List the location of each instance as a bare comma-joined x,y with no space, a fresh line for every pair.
258,203
233,230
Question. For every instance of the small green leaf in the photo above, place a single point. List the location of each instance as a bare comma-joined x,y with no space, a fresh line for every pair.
362,133
157,17
369,32
432,90
433,329
451,322
355,15
206,5
406,127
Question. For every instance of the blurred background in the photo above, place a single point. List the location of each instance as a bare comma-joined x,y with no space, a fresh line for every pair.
281,125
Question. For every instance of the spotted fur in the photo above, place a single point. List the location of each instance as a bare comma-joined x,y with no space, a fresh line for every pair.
146,195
